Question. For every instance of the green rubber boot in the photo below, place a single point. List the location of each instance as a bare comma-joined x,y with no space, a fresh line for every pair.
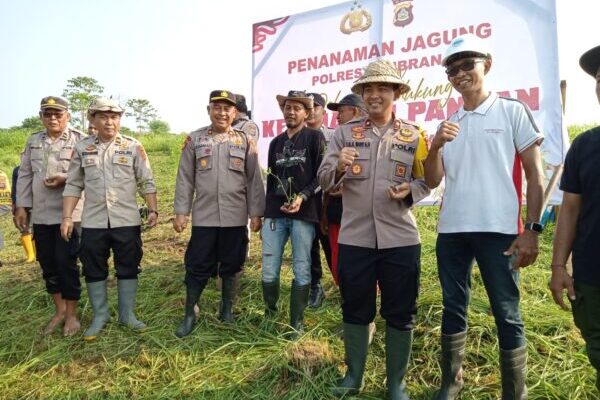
513,368
227,296
99,300
298,303
397,352
127,291
453,353
270,296
192,294
356,344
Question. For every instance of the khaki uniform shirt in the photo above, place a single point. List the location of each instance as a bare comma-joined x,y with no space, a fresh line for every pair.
42,158
222,170
387,157
247,126
111,174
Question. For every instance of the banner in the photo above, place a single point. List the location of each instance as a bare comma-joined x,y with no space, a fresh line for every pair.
325,51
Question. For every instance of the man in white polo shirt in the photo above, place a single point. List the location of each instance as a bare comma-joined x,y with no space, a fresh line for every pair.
481,150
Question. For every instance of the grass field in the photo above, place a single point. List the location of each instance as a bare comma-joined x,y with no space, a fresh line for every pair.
248,360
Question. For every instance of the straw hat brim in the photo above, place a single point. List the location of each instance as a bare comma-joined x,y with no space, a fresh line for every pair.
307,101
356,88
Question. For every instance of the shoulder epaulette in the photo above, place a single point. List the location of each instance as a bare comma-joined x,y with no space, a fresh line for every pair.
412,123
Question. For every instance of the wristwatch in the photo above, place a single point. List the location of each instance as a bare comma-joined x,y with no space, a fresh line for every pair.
534,226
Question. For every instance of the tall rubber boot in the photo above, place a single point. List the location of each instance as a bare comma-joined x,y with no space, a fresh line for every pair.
513,368
27,242
127,291
453,353
298,303
99,300
227,296
193,291
317,295
356,344
270,296
397,352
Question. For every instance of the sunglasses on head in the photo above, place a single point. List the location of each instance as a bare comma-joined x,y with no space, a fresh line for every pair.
465,66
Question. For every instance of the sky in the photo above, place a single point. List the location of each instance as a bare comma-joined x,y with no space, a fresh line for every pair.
173,53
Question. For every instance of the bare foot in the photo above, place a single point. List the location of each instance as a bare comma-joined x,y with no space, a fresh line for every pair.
71,327
54,322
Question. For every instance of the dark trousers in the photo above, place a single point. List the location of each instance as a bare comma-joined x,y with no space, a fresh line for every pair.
316,269
586,313
126,245
396,271
58,260
215,250
456,253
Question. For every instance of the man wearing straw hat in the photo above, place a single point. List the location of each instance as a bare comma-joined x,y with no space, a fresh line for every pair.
482,150
578,230
379,160
112,169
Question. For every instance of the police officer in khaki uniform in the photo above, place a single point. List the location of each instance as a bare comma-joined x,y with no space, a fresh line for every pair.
242,121
379,160
40,184
112,169
219,181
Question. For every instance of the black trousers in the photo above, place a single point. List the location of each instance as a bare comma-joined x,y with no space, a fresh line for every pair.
396,271
126,245
58,260
214,251
316,269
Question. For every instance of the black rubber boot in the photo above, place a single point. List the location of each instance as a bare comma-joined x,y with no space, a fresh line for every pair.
227,295
453,353
298,303
513,368
317,295
270,296
356,344
397,352
193,292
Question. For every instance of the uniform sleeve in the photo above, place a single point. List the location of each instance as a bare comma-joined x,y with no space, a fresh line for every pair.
24,190
418,189
143,172
570,181
328,167
75,176
525,131
185,182
317,148
255,198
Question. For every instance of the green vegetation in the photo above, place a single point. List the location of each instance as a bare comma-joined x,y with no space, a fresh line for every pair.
252,360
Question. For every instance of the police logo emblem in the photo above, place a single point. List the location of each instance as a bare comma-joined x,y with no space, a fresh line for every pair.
356,169
90,147
358,133
203,163
400,170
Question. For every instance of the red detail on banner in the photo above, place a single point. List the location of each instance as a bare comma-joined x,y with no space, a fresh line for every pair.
263,29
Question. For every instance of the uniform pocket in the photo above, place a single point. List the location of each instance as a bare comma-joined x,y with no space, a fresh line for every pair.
236,159
361,167
400,166
204,158
122,166
90,167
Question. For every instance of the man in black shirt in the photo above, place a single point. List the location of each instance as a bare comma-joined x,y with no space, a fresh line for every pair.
578,230
291,209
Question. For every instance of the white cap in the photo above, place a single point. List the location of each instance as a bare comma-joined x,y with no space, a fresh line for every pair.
468,43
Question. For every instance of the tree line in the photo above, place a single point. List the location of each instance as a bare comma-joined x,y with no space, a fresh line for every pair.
82,90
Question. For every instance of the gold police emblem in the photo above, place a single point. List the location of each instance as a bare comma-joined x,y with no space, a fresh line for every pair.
358,133
123,160
356,20
356,169
224,94
51,101
400,170
203,163
403,14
